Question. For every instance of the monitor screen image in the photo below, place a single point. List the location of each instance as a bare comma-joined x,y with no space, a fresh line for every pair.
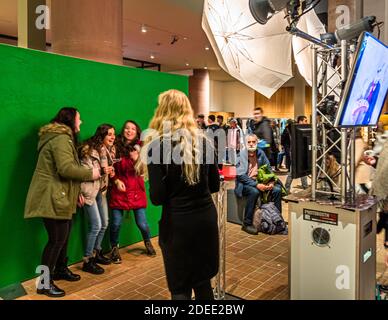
367,86
301,150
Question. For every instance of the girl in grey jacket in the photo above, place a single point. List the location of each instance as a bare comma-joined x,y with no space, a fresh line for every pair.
97,153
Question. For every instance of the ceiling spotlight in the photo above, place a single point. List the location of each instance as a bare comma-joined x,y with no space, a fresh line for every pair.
152,56
205,68
184,38
143,28
207,48
187,64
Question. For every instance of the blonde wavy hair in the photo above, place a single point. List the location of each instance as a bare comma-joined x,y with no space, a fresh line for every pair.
174,108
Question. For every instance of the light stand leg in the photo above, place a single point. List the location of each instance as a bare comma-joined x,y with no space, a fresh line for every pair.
220,279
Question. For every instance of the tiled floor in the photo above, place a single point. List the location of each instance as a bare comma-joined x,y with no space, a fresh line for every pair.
256,268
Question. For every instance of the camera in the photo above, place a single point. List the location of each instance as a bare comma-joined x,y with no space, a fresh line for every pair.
329,107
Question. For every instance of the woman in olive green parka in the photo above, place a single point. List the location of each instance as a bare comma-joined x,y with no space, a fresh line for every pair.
55,191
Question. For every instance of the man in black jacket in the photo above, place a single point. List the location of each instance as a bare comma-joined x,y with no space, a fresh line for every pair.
212,125
261,127
201,121
300,120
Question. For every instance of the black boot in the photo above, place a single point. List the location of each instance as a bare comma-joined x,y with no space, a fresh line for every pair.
53,291
149,248
101,259
250,229
62,272
115,255
91,267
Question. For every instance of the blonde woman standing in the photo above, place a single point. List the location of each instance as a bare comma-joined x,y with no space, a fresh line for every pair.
188,232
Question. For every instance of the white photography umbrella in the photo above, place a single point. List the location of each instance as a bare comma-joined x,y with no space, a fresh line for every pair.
308,23
257,55
260,55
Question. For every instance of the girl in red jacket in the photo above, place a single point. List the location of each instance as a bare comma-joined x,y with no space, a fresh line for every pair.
128,190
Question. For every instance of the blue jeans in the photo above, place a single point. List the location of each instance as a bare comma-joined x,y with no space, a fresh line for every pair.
141,222
98,223
281,156
252,194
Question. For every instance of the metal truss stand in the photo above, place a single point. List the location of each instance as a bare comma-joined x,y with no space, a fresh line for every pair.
219,280
329,79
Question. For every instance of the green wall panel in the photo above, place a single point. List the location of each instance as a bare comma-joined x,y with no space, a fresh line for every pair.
34,85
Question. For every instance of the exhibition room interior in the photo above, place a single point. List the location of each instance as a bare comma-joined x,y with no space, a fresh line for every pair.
312,73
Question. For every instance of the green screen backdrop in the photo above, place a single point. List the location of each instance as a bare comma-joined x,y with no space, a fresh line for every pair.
34,85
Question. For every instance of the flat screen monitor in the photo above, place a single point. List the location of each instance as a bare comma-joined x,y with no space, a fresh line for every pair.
301,146
366,89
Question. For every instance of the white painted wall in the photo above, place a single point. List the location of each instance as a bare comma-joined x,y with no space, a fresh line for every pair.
232,96
238,98
216,96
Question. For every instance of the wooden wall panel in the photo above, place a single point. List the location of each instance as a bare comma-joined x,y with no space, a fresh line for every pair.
281,104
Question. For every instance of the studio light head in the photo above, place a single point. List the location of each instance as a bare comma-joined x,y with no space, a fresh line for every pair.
329,38
353,30
263,10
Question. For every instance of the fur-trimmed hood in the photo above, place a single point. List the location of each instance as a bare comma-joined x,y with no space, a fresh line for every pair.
52,130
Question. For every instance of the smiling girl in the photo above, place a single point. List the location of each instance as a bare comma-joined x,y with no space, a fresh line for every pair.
128,191
97,152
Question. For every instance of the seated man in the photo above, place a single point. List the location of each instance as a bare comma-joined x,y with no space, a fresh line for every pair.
248,163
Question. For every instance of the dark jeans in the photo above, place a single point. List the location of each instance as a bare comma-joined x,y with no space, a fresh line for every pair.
280,158
141,222
55,252
203,291
274,158
252,194
287,153
231,155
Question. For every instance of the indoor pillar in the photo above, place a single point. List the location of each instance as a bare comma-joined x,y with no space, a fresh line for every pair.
199,91
343,12
300,96
31,33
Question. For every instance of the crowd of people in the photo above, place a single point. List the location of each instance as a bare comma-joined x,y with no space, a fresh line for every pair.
106,174
68,173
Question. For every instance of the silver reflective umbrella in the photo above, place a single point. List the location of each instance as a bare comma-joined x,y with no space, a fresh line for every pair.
257,55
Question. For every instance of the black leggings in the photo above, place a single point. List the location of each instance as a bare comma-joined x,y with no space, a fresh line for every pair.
383,224
55,253
203,291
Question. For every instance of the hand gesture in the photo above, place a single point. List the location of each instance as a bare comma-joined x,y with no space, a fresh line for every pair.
261,187
120,186
134,155
81,201
108,170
